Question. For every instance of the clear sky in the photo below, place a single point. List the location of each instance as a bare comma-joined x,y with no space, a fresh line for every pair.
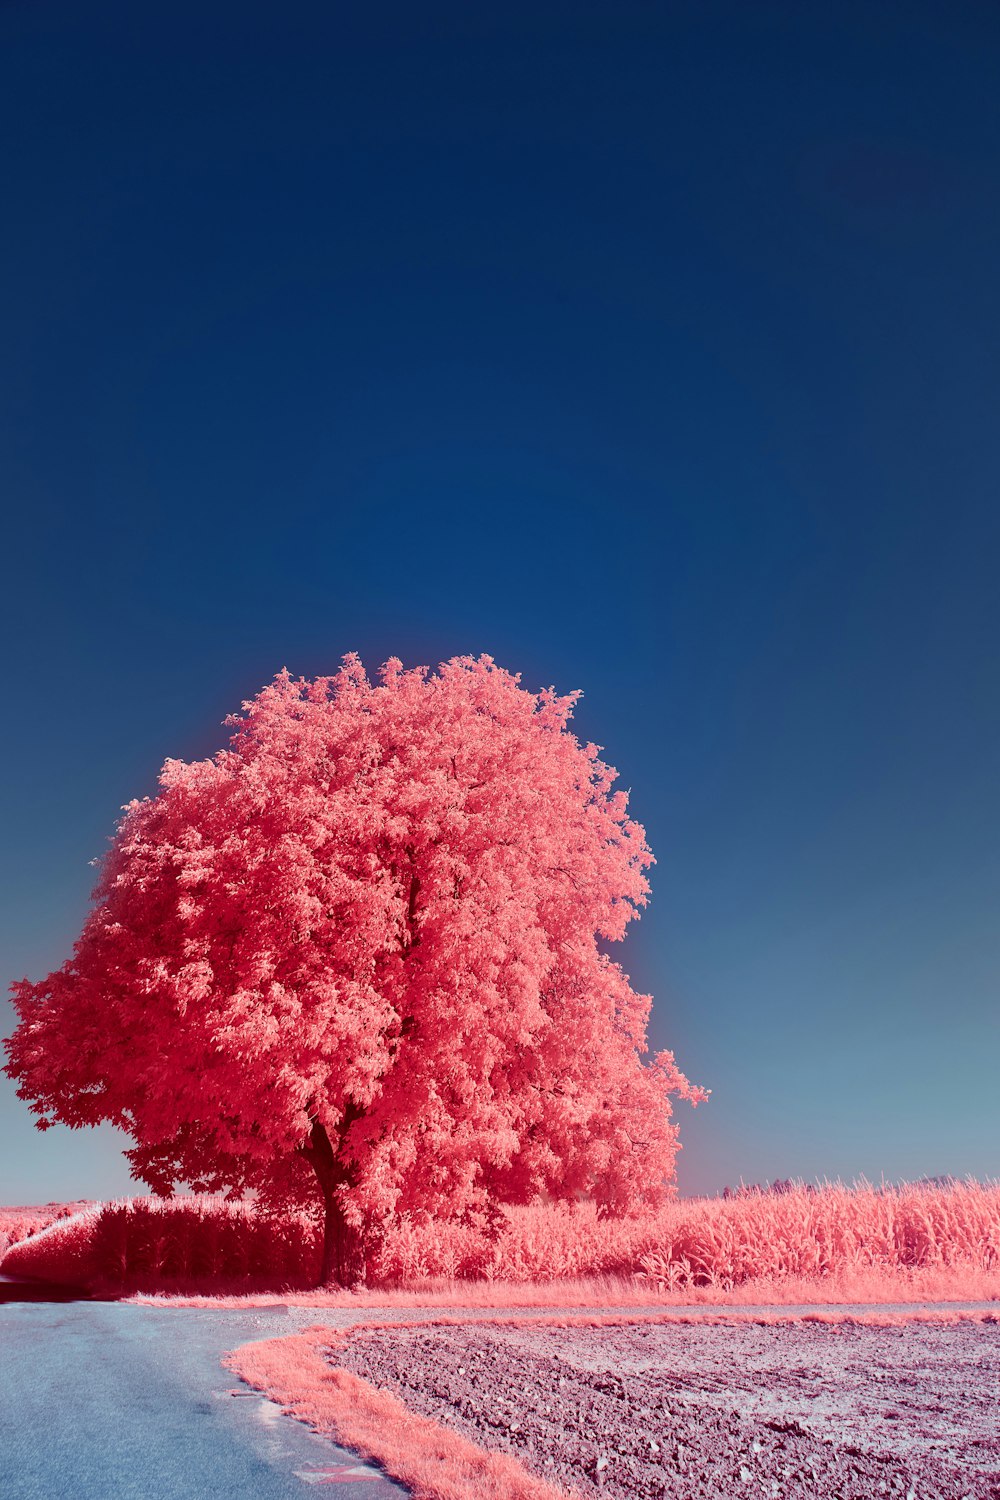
653,349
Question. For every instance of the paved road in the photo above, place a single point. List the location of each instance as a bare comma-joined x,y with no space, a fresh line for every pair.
105,1401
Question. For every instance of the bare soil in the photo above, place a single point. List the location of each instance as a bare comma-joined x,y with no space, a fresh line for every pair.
791,1410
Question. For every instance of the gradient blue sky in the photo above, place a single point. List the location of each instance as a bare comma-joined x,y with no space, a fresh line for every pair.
651,349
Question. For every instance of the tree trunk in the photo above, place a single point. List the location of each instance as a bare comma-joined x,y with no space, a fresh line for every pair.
343,1260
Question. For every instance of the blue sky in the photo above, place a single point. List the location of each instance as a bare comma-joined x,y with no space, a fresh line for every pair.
652,350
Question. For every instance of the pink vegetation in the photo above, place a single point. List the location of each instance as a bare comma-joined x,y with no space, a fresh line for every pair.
719,1245
61,1251
837,1244
18,1224
153,1242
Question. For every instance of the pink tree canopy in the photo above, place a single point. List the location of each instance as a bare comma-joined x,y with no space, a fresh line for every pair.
360,948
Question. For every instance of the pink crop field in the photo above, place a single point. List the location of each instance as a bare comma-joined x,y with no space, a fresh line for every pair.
717,1244
18,1224
155,1242
941,1240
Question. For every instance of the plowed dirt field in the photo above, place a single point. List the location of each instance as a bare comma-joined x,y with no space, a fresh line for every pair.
793,1410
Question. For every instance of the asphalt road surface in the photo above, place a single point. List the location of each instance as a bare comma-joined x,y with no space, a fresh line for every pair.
105,1401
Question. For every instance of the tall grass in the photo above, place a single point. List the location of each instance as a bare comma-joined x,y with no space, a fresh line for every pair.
801,1236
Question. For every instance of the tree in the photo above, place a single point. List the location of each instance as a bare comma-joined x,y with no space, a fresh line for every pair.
360,948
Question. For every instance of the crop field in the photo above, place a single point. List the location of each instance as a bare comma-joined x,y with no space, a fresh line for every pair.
798,1244
17,1224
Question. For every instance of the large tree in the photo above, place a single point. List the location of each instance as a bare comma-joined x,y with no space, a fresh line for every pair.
361,948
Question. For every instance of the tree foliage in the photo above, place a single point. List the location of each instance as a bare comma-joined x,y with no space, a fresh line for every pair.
361,949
